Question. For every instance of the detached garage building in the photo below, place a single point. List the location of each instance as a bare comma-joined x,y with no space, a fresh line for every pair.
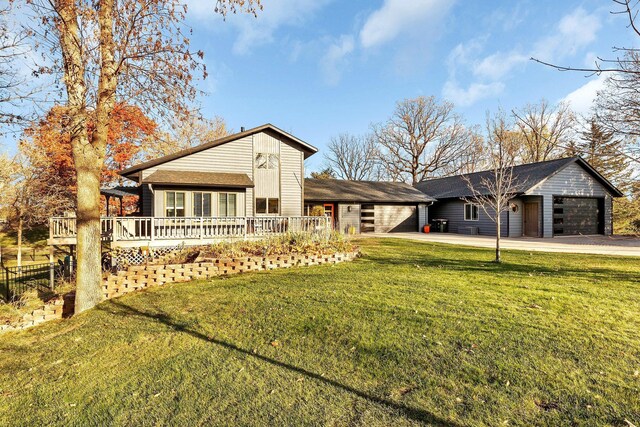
368,206
553,198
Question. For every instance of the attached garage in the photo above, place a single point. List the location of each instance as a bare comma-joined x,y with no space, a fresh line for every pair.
395,218
578,215
368,206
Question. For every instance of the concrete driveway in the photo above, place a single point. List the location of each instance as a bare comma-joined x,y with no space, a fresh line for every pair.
600,245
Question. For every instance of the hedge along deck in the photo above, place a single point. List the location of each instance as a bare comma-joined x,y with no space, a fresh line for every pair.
139,277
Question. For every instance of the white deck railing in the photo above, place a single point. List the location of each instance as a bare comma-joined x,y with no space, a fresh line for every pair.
191,228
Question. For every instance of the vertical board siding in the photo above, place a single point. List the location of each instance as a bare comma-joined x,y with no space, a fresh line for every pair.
423,216
395,218
291,180
347,219
453,210
147,201
267,181
571,181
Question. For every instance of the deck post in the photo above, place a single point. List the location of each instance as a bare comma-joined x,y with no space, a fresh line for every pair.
153,228
52,277
201,229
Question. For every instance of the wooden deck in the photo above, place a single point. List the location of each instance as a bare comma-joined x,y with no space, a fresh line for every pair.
189,231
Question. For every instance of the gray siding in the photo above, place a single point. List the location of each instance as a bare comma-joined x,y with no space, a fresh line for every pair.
291,180
389,218
515,218
233,157
285,183
267,181
159,200
423,216
571,181
348,219
453,210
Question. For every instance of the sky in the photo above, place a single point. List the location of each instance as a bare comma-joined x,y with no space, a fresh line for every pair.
318,68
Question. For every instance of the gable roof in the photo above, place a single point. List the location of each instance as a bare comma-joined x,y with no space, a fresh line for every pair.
525,177
199,179
338,190
307,149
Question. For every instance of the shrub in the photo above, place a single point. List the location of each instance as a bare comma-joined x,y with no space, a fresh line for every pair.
290,243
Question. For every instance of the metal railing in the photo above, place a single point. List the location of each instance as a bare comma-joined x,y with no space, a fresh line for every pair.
15,281
192,228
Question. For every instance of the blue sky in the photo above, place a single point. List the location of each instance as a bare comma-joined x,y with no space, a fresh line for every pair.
318,68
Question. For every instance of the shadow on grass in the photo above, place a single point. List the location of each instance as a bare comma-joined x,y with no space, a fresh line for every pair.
410,412
465,264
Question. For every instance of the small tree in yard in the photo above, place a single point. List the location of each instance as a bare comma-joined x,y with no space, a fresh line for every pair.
30,199
494,190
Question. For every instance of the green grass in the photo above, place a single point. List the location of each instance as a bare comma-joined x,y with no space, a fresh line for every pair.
412,333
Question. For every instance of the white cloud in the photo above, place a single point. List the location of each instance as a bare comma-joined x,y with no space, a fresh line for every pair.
574,32
462,97
397,17
581,99
260,30
498,65
334,59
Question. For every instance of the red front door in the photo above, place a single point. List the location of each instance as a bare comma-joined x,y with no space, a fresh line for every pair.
329,211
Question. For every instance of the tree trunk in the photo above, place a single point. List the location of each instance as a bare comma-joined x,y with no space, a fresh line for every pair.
498,258
20,226
88,273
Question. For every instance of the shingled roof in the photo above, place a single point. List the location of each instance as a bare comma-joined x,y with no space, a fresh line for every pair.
199,179
525,177
337,190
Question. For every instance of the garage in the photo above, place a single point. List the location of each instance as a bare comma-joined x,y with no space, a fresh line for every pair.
578,215
395,218
368,206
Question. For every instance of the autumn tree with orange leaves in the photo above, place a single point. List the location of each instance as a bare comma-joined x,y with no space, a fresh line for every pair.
47,145
105,52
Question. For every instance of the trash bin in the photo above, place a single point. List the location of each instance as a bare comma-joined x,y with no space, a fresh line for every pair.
426,228
440,225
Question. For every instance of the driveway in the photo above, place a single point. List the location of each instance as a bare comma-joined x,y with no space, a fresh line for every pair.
600,245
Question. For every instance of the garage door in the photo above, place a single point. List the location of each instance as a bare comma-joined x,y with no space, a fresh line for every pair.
577,215
395,218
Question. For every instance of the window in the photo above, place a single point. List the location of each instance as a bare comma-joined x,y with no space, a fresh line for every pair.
201,204
264,206
471,212
227,204
267,161
174,203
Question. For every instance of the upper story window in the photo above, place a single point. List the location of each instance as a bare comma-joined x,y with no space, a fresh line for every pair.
471,212
174,203
267,161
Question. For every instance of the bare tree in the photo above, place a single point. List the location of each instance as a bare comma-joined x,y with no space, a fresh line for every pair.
544,130
108,51
353,157
185,132
14,87
617,105
493,190
472,158
420,139
326,173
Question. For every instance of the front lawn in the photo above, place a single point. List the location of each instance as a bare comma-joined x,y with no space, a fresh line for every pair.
411,333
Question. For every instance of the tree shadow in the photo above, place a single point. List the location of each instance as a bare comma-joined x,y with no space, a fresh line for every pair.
415,414
464,264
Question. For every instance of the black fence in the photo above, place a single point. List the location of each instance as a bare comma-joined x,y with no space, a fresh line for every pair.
15,281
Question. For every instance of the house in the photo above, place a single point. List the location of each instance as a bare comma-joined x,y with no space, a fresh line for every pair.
553,198
249,184
368,206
